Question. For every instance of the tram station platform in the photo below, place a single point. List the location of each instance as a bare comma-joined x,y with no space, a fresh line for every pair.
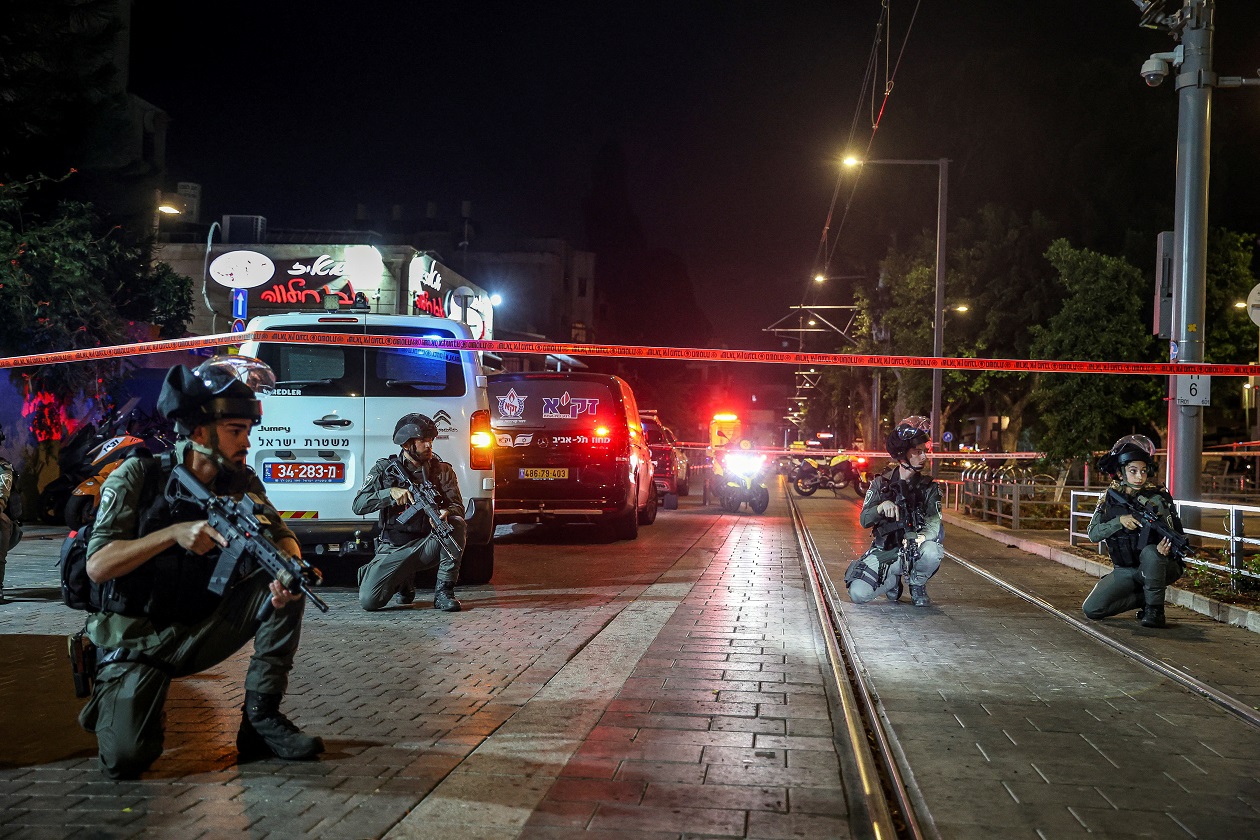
674,686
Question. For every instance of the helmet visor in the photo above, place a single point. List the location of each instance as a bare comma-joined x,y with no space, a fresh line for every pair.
219,372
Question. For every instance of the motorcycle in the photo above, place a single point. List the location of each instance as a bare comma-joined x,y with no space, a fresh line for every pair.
129,430
740,477
842,471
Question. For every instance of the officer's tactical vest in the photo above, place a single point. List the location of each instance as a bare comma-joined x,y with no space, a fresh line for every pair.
419,526
1125,546
908,495
174,585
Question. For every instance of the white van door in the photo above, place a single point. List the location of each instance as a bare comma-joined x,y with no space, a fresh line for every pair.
433,382
309,449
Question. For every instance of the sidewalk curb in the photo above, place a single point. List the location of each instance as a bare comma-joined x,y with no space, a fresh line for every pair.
1226,613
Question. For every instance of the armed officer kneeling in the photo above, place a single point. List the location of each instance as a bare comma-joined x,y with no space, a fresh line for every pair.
1130,518
153,556
903,510
421,520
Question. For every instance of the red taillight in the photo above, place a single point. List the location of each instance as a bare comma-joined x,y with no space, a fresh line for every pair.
861,460
480,442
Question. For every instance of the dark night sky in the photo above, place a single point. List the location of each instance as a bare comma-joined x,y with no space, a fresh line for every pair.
731,114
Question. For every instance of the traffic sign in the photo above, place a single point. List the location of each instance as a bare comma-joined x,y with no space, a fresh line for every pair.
948,437
238,326
240,304
1253,304
1194,390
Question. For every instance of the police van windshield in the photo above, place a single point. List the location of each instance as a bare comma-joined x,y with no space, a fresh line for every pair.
314,370
553,403
414,371
329,371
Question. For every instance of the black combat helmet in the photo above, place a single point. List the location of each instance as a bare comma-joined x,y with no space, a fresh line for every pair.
909,433
1126,449
414,426
220,388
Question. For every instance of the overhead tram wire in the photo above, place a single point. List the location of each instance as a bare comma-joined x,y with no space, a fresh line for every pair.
876,118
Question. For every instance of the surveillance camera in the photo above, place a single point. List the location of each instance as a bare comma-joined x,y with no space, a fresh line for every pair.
1156,68
1154,71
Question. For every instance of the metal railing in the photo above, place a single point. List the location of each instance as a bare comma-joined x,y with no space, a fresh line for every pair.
1231,541
1016,497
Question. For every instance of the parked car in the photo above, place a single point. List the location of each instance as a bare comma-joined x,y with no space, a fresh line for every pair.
570,447
670,469
332,415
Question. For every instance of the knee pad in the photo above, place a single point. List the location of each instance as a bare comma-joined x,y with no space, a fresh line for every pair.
860,570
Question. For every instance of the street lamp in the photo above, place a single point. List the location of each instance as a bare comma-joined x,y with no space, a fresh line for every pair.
165,204
938,322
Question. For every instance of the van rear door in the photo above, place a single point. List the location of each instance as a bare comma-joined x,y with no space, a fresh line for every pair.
308,450
429,381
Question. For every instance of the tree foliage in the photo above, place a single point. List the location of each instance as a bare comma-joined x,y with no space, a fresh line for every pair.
1101,319
56,69
69,282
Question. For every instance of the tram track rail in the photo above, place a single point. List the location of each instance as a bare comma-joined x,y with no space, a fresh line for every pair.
895,805
883,799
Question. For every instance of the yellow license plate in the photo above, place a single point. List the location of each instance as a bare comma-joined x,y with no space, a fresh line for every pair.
545,473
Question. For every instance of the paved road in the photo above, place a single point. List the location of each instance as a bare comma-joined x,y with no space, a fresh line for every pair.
664,687
1017,725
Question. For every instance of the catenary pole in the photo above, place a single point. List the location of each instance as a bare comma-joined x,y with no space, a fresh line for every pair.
1194,114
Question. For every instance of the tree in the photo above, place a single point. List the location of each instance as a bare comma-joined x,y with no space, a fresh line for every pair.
69,282
57,79
999,270
1083,413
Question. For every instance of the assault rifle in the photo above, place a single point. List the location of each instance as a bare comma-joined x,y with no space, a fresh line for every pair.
424,500
1150,522
908,517
242,526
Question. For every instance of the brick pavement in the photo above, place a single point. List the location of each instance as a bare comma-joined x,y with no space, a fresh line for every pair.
661,688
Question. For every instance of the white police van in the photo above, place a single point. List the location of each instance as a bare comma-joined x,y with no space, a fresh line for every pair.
333,414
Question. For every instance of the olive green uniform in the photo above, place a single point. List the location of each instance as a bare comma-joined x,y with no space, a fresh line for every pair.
6,524
877,572
1137,581
396,562
125,711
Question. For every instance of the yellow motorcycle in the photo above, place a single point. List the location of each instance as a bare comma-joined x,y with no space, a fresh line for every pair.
842,471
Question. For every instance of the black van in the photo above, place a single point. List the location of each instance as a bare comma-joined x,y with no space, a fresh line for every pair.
570,447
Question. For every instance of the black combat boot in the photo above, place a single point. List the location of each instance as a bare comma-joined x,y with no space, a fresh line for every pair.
266,732
444,597
894,594
919,595
406,594
1153,616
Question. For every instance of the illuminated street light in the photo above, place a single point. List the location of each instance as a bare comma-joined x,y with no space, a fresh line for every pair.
495,300
165,204
1242,304
962,307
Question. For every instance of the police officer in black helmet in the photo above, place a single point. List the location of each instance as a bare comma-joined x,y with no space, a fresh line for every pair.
404,550
153,562
1141,568
902,506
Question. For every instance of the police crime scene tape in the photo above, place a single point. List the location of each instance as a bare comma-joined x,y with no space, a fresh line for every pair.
636,352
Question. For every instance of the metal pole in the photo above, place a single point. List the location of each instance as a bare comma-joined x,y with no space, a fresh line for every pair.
1194,128
938,324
